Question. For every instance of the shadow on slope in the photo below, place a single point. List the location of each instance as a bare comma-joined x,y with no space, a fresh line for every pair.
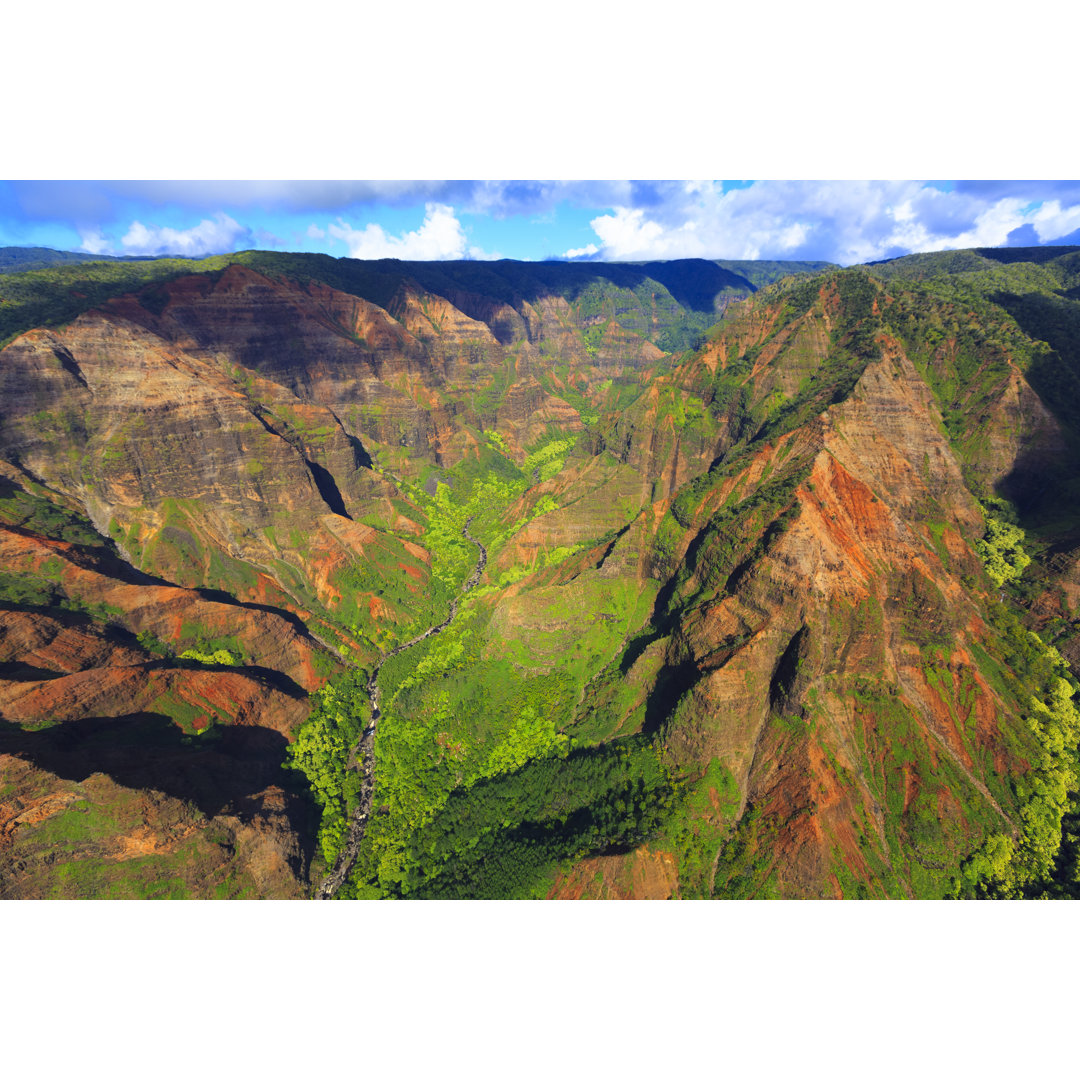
1047,492
222,770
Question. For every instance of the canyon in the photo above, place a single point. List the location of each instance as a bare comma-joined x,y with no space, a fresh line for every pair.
737,629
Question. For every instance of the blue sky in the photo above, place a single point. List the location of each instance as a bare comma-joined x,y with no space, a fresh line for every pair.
842,221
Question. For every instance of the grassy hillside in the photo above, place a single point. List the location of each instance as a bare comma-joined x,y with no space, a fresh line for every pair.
16,260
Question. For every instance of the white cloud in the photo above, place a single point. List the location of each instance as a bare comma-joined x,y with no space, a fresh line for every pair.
842,221
207,238
793,236
93,240
439,237
627,235
1051,221
991,227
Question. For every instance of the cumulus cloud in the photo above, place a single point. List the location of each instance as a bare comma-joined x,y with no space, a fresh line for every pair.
207,238
441,236
627,234
842,221
1053,221
93,241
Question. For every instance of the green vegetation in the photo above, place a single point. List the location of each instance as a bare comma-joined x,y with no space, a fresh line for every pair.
381,576
1002,546
1036,677
762,272
340,712
697,834
72,855
23,590
41,591
451,717
746,863
149,641
205,648
734,537
503,837
528,732
218,656
16,260
30,509
969,321
59,294
464,707
629,294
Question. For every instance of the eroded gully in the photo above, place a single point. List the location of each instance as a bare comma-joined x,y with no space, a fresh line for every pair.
364,750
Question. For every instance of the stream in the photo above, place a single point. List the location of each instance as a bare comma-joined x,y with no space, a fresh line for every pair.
365,745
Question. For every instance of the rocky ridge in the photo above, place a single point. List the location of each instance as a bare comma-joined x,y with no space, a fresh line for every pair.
759,553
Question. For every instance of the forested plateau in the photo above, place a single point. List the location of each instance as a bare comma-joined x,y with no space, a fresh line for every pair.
689,579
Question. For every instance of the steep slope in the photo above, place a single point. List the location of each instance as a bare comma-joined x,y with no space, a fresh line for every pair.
846,684
806,627
144,726
733,637
215,429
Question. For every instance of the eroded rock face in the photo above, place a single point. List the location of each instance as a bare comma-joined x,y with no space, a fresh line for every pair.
810,614
219,430
830,660
173,615
85,817
645,875
129,773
